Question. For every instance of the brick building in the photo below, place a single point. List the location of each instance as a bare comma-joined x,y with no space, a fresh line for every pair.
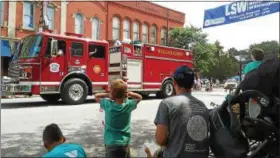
139,20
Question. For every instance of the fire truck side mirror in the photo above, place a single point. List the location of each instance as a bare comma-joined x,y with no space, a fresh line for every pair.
54,47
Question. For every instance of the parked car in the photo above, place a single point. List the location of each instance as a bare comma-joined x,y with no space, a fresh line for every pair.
230,84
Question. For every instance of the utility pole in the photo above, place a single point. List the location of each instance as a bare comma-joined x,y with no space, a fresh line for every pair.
167,32
43,13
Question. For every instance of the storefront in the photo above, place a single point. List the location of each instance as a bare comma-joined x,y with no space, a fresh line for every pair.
8,46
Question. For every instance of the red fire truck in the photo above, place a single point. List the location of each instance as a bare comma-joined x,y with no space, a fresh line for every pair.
70,67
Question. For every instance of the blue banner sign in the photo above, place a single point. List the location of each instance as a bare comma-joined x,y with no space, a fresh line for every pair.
239,11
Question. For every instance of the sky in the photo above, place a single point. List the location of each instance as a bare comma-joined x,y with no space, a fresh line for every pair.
239,35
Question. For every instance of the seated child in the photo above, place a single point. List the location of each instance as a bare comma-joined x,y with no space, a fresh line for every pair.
257,55
54,142
118,110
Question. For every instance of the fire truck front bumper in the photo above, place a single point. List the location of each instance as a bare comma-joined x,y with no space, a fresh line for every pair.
11,89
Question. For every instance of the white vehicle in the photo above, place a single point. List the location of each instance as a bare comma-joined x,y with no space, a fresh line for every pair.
230,83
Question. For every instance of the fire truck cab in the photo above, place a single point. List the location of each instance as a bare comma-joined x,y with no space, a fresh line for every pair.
70,67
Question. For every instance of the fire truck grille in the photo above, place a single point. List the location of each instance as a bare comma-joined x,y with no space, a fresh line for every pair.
14,72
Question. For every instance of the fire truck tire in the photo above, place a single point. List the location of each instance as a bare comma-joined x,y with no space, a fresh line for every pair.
52,98
167,89
75,91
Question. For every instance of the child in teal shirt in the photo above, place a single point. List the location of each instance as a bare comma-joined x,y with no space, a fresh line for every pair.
257,56
118,110
54,142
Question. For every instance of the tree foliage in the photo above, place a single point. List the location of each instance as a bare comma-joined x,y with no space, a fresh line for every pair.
193,38
225,67
210,58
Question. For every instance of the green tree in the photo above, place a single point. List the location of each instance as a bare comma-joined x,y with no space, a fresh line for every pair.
194,39
225,67
220,48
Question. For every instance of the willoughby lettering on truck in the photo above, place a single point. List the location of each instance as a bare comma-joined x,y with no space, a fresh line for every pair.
170,52
71,67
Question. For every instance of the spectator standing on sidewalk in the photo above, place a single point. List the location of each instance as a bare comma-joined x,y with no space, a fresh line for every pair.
182,120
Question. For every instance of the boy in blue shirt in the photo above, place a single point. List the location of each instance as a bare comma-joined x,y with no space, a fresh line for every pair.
54,142
117,118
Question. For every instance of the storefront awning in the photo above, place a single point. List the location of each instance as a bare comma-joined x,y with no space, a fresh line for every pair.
5,49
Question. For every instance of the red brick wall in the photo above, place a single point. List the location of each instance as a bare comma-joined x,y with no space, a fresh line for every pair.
128,10
20,32
89,10
143,12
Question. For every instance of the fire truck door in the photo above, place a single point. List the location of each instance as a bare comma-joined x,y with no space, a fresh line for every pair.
76,55
53,67
97,66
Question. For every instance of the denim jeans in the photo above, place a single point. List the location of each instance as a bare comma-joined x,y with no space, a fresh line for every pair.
117,151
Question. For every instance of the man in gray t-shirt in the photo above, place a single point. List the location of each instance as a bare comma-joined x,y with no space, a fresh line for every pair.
182,120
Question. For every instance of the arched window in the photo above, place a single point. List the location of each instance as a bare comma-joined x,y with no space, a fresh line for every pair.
95,28
136,31
79,23
153,35
126,29
28,15
50,16
145,33
116,28
163,38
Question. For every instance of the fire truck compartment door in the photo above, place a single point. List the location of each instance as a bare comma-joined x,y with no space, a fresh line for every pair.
134,73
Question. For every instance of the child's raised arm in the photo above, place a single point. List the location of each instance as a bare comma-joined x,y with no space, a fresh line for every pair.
99,96
136,96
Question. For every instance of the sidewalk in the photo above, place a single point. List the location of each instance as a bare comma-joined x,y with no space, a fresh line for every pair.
18,96
216,91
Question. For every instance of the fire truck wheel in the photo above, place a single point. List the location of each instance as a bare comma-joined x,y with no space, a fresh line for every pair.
52,98
167,89
75,91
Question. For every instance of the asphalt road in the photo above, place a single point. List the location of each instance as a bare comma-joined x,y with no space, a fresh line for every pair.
23,120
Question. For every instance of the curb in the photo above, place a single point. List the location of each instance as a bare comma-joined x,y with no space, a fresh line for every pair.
19,96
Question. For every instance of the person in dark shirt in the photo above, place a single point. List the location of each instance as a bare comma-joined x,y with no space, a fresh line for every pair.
182,120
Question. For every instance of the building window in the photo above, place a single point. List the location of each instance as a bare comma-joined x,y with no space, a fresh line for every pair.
116,28
2,13
79,23
50,15
126,29
145,33
153,35
163,38
135,31
28,15
95,29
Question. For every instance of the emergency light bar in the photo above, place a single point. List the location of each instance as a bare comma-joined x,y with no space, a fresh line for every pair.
73,34
151,48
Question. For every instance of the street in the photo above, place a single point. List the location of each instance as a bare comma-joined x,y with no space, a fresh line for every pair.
23,121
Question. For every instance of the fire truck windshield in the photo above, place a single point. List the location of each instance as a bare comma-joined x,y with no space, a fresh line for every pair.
30,47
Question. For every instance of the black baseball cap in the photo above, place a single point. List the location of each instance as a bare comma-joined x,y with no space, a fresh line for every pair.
183,72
